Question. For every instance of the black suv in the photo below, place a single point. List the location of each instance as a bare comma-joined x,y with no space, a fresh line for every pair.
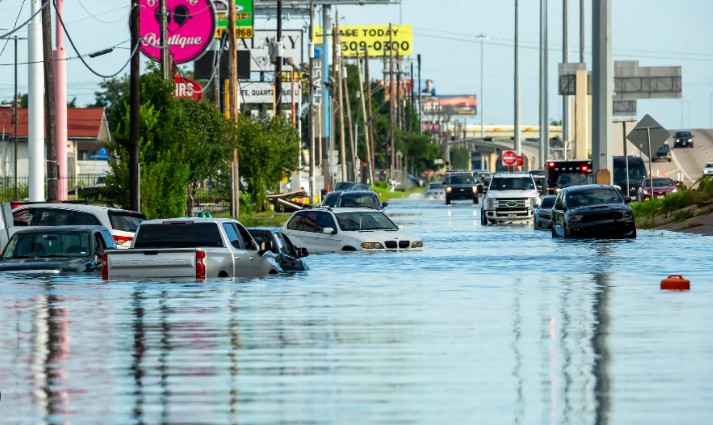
683,139
461,186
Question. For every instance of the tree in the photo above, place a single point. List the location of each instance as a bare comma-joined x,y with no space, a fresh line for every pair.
114,91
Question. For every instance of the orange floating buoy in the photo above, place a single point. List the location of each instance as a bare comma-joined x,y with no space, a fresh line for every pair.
676,282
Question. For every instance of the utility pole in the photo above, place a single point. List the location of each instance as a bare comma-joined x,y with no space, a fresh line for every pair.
581,31
165,58
52,165
60,93
366,120
565,59
14,120
340,96
482,38
420,127
134,114
36,111
372,157
352,144
544,107
518,146
310,128
278,61
233,93
392,112
216,77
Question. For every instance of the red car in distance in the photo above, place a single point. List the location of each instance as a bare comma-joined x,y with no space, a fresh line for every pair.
661,187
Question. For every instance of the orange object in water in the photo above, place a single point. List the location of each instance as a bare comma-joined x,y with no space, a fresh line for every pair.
676,282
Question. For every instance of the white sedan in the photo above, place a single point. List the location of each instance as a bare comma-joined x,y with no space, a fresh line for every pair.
436,191
348,229
708,169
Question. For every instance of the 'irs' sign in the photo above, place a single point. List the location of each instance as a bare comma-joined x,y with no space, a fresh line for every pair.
187,88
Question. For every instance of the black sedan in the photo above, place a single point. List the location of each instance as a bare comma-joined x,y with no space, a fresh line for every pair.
592,211
287,255
56,249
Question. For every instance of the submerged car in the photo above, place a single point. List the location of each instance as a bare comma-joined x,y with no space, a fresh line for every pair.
661,187
543,212
708,169
353,198
56,249
287,255
435,190
348,229
592,211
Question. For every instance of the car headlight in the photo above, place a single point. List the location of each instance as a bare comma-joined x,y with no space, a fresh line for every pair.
475,189
448,189
533,201
646,192
575,218
417,244
674,190
372,245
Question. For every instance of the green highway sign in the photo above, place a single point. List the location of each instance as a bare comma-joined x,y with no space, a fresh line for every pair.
245,18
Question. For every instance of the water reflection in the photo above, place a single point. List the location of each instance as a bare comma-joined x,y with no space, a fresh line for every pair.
499,324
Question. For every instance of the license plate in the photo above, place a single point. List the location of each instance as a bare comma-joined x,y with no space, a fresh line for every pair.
512,215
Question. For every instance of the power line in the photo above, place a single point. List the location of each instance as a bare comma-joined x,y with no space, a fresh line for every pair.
22,6
96,18
61,21
24,24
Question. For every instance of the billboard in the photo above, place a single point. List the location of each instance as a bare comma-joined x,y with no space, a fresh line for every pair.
406,87
259,48
460,104
378,38
244,18
191,24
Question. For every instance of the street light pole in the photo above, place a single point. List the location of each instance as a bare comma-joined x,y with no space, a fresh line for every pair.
482,38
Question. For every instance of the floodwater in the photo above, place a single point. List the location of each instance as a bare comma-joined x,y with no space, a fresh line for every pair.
489,325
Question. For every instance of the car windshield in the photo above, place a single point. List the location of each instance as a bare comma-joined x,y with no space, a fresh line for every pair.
47,244
709,165
573,179
548,202
367,220
435,185
461,179
512,183
683,134
355,200
596,196
344,185
330,200
659,182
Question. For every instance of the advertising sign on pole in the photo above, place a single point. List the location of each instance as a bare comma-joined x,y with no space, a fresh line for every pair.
264,93
245,18
377,38
191,24
187,88
259,48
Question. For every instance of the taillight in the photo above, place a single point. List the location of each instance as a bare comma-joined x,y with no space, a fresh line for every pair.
121,240
105,267
200,265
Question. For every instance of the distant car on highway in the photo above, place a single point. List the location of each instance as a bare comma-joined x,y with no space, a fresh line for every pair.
663,153
708,169
683,139
661,187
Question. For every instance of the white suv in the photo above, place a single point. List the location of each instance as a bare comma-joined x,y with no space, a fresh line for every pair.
122,224
510,197
708,169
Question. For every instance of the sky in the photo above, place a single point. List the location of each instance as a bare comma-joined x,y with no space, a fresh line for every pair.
654,32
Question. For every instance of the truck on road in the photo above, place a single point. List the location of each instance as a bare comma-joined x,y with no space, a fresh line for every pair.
200,248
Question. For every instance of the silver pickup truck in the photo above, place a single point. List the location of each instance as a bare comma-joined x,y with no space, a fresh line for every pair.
200,248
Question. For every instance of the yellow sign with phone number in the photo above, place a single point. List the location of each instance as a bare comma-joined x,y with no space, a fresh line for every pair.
377,38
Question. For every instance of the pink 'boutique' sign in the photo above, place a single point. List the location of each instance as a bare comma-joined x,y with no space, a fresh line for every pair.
191,26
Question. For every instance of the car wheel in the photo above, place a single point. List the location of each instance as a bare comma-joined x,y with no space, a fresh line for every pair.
632,235
565,232
448,200
475,199
483,218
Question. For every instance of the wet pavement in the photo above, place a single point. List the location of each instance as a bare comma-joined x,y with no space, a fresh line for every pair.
497,324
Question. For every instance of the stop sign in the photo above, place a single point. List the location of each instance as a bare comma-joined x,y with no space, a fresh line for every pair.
509,158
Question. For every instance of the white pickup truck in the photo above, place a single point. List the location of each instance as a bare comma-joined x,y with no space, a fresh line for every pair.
200,248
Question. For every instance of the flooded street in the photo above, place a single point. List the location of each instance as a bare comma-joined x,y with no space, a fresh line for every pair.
497,324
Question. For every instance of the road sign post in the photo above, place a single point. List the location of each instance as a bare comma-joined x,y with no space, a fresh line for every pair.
650,135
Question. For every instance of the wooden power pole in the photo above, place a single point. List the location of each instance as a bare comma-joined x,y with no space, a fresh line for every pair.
50,133
134,114
371,115
233,85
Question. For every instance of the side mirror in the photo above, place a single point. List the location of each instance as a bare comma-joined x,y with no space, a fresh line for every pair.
329,231
301,252
629,199
384,204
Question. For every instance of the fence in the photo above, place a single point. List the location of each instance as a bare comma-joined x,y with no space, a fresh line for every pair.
80,186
